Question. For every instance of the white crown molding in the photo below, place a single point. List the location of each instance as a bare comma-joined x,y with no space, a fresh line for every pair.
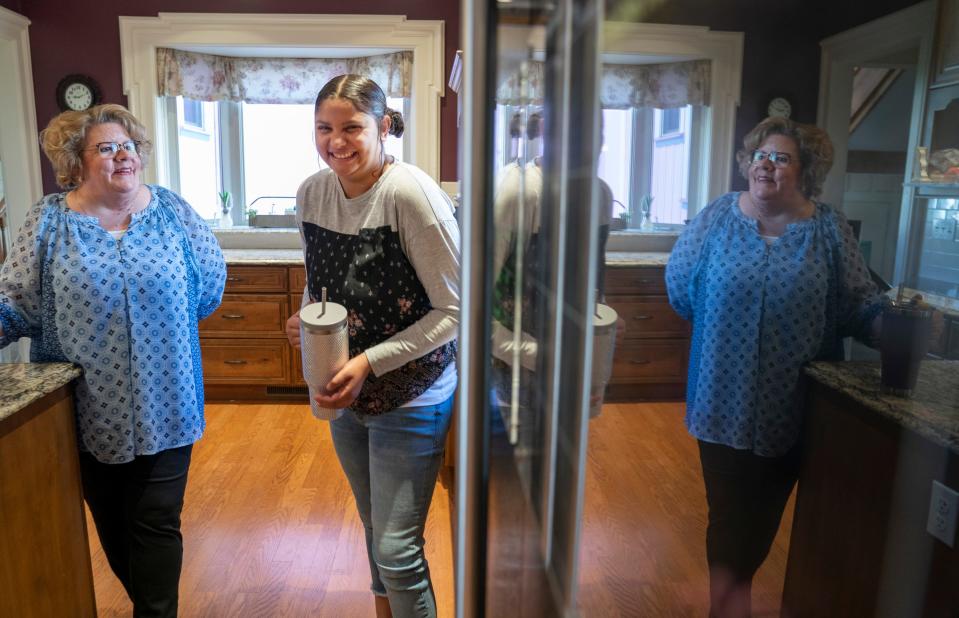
19,152
140,36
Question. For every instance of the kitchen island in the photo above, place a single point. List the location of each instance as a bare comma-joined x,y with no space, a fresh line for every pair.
859,545
43,538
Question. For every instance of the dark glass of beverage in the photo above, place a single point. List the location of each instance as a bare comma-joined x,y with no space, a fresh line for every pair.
903,344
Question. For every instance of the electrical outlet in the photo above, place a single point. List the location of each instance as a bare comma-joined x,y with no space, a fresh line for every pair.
943,509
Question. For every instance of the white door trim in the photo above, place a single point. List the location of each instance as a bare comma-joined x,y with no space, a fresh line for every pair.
906,29
19,149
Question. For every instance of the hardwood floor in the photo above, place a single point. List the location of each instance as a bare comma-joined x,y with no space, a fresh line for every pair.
270,527
644,524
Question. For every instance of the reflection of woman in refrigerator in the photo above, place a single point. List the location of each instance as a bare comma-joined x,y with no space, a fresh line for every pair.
517,211
381,236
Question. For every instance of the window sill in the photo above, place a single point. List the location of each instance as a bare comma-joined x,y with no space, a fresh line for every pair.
257,238
289,238
642,241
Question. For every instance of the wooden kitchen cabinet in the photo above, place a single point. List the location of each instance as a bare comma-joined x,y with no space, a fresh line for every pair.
650,361
246,355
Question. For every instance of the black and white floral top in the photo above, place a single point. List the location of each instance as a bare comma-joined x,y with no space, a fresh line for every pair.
391,257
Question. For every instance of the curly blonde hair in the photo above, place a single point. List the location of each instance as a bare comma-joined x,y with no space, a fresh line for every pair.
65,136
813,143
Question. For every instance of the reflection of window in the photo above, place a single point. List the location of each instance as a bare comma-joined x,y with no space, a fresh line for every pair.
647,154
259,152
193,114
669,122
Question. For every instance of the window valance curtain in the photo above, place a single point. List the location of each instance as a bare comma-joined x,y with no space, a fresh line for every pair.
209,77
624,86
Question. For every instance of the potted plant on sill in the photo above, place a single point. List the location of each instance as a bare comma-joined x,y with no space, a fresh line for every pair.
251,217
226,206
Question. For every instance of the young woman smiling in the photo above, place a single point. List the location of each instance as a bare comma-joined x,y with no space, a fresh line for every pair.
381,237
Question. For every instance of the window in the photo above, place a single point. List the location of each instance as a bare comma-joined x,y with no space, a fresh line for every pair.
668,121
198,156
679,157
271,34
646,171
193,113
261,157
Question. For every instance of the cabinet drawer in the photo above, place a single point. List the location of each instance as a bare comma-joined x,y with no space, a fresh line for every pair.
650,361
297,278
648,317
245,315
226,361
256,279
637,280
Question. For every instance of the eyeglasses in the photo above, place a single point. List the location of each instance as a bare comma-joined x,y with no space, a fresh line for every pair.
779,159
110,149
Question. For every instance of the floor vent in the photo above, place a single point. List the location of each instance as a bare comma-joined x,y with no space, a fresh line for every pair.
288,391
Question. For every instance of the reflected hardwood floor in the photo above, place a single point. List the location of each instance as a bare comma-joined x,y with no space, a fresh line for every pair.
644,525
270,527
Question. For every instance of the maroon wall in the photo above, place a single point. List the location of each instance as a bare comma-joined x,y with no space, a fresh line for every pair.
13,5
80,36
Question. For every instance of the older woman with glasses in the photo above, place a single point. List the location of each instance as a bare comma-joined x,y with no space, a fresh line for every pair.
114,275
771,279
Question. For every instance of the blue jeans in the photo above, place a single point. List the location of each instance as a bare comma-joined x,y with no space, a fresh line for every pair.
392,461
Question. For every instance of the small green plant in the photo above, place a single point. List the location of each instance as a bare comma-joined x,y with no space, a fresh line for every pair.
250,215
646,204
224,201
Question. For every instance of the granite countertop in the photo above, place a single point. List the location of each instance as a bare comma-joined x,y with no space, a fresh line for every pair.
933,410
261,257
292,257
636,258
24,383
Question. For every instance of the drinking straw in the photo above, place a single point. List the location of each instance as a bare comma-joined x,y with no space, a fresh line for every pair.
323,296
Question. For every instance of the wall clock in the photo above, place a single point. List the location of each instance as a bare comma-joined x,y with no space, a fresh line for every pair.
77,93
779,107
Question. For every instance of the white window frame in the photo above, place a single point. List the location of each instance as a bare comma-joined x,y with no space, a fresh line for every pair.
141,36
713,141
189,126
661,133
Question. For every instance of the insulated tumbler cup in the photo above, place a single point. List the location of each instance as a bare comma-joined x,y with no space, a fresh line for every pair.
324,344
604,343
903,344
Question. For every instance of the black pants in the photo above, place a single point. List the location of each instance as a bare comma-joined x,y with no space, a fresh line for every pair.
136,508
747,495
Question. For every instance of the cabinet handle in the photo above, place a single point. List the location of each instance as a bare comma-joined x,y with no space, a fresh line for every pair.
642,317
646,281
235,362
234,279
640,362
232,316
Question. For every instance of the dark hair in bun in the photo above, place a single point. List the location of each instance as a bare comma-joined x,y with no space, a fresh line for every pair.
365,95
396,122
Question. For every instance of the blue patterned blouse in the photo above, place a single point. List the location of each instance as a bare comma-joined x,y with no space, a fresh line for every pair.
126,311
760,312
